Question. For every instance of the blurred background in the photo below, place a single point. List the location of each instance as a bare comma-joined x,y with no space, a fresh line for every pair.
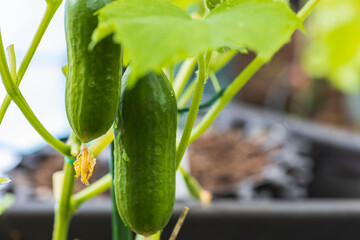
290,133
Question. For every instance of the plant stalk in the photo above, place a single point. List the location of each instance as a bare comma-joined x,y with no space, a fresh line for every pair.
194,107
51,9
91,191
20,101
63,208
12,60
100,143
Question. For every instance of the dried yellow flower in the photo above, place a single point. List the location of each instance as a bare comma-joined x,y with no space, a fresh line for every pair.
84,164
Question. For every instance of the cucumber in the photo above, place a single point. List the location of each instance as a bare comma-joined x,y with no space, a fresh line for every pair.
93,76
145,146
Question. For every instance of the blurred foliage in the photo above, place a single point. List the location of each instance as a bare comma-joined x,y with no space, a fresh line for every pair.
4,180
333,51
6,201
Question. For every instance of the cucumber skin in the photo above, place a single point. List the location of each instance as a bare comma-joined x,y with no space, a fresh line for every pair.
145,147
93,83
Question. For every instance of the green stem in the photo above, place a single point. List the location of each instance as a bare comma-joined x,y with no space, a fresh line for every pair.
12,60
63,208
215,81
307,9
171,74
194,107
51,9
99,144
233,88
192,185
91,191
208,55
155,236
20,101
183,76
241,80
75,144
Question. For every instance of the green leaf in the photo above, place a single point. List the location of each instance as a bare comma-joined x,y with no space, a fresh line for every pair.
160,33
184,3
333,49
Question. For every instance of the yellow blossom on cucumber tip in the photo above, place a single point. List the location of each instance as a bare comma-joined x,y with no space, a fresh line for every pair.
84,164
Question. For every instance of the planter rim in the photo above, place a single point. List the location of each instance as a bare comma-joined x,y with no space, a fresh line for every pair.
311,130
223,207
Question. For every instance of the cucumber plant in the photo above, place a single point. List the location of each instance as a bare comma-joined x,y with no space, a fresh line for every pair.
147,153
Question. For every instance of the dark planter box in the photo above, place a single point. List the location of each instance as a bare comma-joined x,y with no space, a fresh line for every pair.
226,220
335,152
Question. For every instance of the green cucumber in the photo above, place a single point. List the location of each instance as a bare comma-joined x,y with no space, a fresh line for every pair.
145,146
93,76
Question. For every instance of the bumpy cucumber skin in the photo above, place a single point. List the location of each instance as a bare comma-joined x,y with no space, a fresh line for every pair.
145,146
93,83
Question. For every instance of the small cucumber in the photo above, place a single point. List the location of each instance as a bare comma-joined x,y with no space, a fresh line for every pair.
93,76
145,146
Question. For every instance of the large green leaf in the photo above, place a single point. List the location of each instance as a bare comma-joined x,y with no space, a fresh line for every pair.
184,3
159,33
333,51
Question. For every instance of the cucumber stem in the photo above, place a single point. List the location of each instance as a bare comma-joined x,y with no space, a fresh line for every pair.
194,107
195,189
171,74
231,90
215,81
63,208
100,143
12,60
307,9
51,9
91,191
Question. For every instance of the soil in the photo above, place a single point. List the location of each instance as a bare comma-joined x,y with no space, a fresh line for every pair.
220,160
36,182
